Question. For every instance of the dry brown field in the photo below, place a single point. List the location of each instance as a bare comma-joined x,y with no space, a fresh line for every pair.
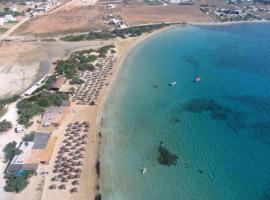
67,20
135,15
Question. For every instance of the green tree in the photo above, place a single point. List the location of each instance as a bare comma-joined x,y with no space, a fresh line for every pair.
10,151
15,183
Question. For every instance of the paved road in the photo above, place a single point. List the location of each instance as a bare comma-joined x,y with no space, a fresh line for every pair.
13,28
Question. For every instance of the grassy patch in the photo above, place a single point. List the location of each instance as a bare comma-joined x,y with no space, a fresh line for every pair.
3,30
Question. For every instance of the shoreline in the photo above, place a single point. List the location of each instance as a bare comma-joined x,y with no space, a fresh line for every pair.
226,23
124,48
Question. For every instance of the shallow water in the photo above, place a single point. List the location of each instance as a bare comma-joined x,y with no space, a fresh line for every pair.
219,127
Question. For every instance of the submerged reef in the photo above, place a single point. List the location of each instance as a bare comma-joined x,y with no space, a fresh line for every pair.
255,102
165,157
192,60
234,120
261,131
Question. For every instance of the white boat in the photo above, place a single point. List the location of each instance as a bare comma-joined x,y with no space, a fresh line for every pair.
172,84
197,79
144,170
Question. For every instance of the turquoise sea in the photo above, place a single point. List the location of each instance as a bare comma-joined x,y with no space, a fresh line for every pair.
219,127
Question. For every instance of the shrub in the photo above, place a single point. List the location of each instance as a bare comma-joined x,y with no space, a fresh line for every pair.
29,137
5,125
104,50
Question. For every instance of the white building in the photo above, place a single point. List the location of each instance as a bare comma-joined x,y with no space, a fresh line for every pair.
9,18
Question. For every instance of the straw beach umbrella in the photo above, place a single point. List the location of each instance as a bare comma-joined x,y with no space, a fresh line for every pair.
53,186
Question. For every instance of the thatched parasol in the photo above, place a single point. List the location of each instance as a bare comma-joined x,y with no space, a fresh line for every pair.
76,182
81,156
55,178
64,180
62,187
77,176
83,142
72,190
53,186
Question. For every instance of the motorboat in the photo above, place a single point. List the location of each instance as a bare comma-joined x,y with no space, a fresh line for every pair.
197,79
172,83
144,170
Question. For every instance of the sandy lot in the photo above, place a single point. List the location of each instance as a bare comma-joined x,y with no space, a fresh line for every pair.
22,64
67,20
135,15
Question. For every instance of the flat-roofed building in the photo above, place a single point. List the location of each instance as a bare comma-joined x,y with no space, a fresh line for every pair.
58,83
53,116
34,153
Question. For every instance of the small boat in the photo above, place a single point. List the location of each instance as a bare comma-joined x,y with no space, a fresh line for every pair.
172,84
144,170
197,79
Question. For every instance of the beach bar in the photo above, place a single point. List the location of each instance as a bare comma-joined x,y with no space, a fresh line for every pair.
33,153
53,116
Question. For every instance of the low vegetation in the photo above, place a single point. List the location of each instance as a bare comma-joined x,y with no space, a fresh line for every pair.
6,101
104,50
89,36
138,30
5,126
3,30
81,61
9,100
10,151
165,157
123,33
27,108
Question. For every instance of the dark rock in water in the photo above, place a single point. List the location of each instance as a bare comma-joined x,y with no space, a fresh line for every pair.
200,171
165,157
98,168
155,86
256,102
261,131
98,197
175,120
